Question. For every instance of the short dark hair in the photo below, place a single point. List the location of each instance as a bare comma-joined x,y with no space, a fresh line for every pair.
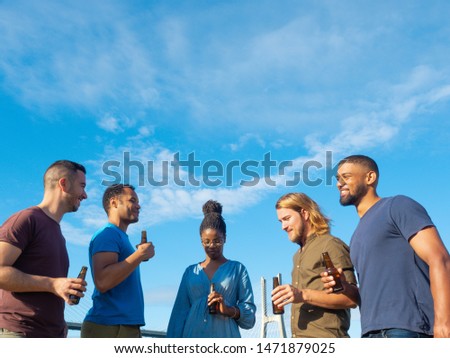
59,169
113,191
213,218
363,160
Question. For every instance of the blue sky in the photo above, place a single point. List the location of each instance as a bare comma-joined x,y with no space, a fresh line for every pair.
229,82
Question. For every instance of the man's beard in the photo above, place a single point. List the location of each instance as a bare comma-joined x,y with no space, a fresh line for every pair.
354,199
300,237
72,207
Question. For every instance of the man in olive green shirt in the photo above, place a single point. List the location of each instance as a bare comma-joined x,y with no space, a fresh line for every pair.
315,313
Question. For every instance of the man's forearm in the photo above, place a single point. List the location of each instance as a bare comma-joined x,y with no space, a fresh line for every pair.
440,290
329,300
14,280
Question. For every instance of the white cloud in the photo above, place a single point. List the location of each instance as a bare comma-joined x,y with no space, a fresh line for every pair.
159,204
110,124
296,71
379,125
114,124
76,235
146,131
380,121
439,94
175,204
293,76
245,139
59,54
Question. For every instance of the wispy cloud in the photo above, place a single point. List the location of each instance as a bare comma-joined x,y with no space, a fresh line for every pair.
378,126
286,74
378,122
110,124
290,80
76,234
245,139
60,54
118,124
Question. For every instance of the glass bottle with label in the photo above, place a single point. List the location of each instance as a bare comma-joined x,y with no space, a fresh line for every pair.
144,239
332,271
276,283
74,298
213,308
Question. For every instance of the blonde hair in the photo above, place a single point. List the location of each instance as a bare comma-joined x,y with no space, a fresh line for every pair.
297,202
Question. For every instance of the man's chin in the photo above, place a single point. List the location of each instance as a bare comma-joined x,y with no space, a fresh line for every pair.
347,201
75,208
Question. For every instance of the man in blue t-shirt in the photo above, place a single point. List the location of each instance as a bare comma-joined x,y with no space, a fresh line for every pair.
402,264
118,300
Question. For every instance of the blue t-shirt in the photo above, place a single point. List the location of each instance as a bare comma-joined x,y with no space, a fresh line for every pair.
123,304
394,281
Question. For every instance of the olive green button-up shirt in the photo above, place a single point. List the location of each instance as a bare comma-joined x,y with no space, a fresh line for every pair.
312,321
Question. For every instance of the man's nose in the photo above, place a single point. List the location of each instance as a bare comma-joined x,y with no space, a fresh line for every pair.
340,182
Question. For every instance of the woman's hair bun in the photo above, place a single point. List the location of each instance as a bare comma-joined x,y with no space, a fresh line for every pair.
212,206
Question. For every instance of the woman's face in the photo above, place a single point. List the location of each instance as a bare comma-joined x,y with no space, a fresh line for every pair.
212,241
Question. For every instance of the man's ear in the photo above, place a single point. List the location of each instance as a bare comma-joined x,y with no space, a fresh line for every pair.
304,214
64,184
114,202
371,177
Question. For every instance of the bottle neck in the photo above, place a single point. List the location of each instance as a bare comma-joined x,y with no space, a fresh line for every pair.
327,261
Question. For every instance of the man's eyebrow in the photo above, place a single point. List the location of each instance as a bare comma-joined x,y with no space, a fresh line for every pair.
341,174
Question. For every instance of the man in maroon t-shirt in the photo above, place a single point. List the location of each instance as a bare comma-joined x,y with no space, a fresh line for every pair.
34,262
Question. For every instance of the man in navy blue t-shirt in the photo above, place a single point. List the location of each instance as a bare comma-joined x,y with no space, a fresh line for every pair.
402,264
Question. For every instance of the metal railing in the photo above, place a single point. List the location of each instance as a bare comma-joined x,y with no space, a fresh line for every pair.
145,332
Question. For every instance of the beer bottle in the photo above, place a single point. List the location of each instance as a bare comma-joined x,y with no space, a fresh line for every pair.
332,271
74,298
276,283
214,307
144,238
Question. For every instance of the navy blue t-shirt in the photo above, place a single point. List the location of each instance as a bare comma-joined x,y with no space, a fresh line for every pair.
394,281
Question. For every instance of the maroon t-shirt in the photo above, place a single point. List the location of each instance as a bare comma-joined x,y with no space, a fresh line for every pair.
44,253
